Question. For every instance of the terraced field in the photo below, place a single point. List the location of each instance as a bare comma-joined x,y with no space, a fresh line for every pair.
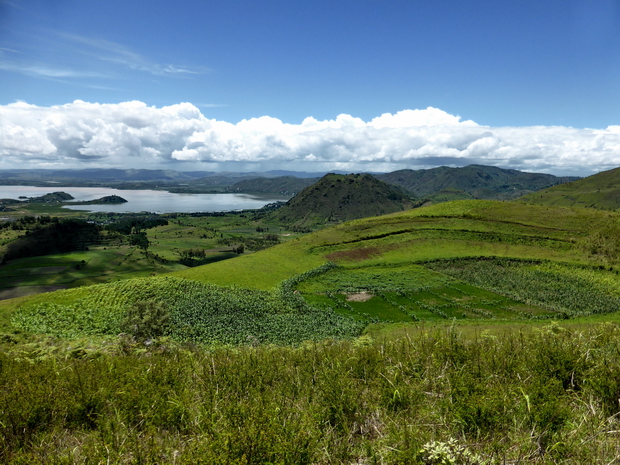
471,288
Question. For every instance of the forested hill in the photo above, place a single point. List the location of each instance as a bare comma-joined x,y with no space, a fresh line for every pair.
473,181
601,190
285,185
337,197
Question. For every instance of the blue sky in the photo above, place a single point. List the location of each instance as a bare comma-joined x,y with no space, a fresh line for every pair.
514,69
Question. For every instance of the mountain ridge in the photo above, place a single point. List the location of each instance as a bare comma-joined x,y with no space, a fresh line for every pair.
436,184
472,181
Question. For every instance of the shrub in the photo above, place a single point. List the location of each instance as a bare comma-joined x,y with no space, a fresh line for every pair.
147,320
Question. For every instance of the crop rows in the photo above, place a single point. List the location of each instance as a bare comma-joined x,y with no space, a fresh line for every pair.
412,293
198,312
562,288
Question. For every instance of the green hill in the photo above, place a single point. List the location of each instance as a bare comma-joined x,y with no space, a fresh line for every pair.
474,181
336,198
601,190
468,228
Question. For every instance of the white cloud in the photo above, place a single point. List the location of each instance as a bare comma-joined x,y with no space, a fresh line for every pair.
93,53
116,53
132,134
42,70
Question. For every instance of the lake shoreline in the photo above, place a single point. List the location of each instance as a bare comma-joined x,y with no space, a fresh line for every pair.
147,200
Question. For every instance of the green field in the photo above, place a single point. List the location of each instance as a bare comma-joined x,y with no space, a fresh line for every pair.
413,293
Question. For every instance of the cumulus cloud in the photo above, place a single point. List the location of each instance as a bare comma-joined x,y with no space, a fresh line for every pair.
132,134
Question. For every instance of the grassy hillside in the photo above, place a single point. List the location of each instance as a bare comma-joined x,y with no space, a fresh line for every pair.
335,198
432,397
468,228
474,181
601,190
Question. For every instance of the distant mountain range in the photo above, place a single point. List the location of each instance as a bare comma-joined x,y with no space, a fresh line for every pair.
435,185
471,182
284,185
97,174
115,175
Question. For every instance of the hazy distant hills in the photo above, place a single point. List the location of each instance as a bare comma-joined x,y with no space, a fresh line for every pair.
96,174
116,175
601,190
435,185
337,197
285,185
471,182
174,181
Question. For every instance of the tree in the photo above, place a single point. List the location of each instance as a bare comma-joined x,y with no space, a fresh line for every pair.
140,240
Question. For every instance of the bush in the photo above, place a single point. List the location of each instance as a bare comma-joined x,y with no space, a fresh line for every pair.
146,320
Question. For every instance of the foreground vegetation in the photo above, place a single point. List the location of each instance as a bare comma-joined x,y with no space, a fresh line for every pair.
432,397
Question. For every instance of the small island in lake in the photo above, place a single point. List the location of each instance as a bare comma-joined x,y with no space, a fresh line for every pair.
52,197
108,199
63,197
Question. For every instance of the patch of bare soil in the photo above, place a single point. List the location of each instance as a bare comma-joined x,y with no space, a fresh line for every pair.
355,255
359,297
361,254
21,291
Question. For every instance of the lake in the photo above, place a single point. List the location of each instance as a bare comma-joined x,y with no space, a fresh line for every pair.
147,200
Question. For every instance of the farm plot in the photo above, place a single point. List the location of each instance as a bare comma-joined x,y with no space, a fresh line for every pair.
412,293
572,290
183,310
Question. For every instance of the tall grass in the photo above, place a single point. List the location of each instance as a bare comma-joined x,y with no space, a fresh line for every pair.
550,396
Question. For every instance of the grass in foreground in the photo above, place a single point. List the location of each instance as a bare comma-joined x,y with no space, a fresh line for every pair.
432,397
